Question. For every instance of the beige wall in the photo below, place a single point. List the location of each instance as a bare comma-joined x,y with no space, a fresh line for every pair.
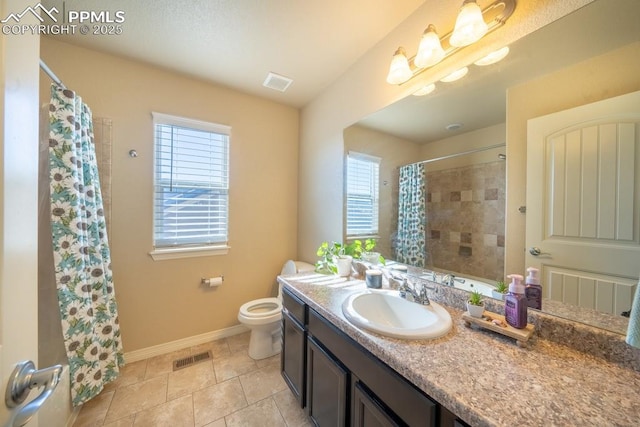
162,301
363,90
394,153
606,76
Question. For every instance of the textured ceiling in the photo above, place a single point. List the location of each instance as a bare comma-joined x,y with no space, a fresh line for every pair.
236,43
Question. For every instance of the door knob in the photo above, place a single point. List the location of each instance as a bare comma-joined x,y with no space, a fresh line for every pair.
26,377
535,251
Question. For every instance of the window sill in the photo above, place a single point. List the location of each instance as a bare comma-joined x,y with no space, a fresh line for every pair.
362,236
190,252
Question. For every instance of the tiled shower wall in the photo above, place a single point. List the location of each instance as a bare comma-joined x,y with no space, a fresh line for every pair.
465,220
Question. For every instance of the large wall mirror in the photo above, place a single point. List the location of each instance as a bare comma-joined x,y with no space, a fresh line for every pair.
463,135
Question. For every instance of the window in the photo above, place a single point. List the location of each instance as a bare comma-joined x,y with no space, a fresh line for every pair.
362,194
191,186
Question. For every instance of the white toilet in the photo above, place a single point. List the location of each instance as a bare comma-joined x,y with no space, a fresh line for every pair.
263,317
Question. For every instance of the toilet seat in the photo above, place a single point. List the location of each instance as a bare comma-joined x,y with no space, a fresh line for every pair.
261,308
264,318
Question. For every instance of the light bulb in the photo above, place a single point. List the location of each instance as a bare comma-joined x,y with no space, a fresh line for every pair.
456,75
399,71
493,57
470,25
430,51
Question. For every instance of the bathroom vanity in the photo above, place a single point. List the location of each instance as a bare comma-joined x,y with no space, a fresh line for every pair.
344,375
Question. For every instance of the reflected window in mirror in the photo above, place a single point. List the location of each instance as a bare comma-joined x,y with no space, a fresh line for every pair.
362,194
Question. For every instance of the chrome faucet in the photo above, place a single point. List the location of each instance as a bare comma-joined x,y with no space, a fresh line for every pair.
418,296
450,280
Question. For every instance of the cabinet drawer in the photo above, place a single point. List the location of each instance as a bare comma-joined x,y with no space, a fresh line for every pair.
294,305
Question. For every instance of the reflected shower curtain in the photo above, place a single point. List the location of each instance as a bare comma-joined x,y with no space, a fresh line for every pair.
410,244
82,260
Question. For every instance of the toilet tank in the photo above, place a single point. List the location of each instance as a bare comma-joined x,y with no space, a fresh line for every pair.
293,267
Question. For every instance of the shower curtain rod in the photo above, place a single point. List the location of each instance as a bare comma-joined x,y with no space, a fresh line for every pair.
450,156
51,74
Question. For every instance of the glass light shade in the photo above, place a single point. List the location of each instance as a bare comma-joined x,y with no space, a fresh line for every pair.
430,51
493,57
470,25
399,70
425,90
456,75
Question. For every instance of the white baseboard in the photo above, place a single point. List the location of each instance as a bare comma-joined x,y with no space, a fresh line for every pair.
168,347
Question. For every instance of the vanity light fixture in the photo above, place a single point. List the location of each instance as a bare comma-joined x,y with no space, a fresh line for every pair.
493,57
425,90
456,75
471,25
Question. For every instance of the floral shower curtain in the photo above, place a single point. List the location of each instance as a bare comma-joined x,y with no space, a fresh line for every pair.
410,244
81,254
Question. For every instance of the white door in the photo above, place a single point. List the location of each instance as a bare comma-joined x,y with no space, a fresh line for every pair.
18,203
583,203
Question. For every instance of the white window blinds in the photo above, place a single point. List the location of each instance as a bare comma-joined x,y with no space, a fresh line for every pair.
191,193
362,194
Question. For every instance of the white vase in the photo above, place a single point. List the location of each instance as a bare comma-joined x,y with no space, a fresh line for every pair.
475,310
343,262
372,257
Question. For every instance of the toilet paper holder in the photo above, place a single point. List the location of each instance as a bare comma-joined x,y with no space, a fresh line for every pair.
212,281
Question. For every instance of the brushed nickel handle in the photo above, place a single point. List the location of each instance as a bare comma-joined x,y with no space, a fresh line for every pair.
535,251
25,378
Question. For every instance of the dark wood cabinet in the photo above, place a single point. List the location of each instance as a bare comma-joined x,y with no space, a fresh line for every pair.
294,345
340,383
327,382
401,399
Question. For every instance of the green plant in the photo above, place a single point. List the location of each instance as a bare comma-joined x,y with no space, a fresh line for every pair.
476,298
501,287
369,245
327,252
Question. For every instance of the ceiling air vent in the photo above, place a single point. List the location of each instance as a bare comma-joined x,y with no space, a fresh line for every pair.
277,82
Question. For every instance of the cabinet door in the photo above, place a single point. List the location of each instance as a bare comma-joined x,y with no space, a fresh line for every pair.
448,419
367,412
292,358
327,383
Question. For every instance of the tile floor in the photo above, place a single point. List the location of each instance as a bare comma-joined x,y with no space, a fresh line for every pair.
231,390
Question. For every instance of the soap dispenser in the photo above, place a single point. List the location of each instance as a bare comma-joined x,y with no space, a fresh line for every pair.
515,303
533,288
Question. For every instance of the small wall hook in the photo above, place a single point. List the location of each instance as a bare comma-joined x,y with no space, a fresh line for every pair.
133,153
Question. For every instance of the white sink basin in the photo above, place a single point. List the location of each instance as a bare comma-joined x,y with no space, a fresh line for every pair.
385,313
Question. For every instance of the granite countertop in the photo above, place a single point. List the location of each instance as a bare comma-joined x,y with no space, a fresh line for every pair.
485,378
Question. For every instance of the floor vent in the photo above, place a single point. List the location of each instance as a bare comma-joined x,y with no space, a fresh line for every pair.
185,362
